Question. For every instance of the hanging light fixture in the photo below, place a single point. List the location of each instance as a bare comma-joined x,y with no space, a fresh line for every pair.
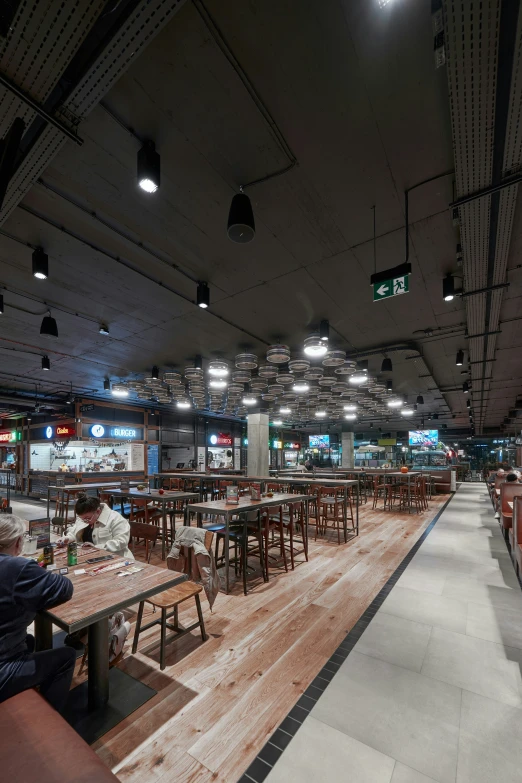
324,330
183,404
459,359
1,304
203,296
386,365
249,397
407,412
320,414
46,364
468,403
148,168
314,345
350,407
420,400
49,326
241,226
395,403
198,362
448,287
389,385
300,386
119,390
285,411
40,264
106,385
104,329
358,378
217,383
155,373
351,416
465,387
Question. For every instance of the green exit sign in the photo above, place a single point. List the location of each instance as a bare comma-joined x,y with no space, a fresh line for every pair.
393,287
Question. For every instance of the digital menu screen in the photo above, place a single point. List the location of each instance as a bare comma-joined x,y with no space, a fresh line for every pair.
319,441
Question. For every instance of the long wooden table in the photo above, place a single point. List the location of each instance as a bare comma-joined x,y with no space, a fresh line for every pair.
154,496
97,595
309,481
227,510
73,488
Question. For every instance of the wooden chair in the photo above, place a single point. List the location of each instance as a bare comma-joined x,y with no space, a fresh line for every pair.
294,518
170,600
379,490
331,503
149,533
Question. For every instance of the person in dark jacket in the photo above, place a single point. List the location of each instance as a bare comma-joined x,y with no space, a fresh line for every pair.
25,589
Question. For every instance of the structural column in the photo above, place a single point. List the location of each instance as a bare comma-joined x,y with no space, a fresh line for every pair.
257,431
347,443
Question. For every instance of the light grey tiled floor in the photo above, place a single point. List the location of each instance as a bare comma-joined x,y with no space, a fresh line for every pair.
433,689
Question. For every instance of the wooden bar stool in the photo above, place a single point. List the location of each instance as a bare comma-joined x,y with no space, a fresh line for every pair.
170,600
295,518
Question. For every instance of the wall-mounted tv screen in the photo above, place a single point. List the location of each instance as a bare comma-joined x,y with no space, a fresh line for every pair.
423,437
319,441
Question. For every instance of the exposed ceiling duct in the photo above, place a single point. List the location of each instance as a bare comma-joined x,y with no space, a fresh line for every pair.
484,49
60,60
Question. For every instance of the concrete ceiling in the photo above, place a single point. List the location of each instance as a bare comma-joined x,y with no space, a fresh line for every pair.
354,91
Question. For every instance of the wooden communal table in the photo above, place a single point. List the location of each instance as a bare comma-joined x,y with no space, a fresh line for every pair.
102,702
309,481
153,495
228,510
74,488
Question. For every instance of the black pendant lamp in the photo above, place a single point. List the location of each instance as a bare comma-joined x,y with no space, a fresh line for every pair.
459,359
46,364
106,385
386,365
241,226
389,385
40,263
420,400
49,326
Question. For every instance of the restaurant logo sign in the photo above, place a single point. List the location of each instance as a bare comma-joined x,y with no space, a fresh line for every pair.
291,445
65,431
221,439
49,432
123,432
97,430
9,437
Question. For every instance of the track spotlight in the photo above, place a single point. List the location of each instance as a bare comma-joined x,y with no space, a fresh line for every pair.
46,364
155,373
40,264
104,329
420,400
389,385
203,296
49,326
448,287
106,385
148,168
459,359
241,226
324,330
386,365
465,387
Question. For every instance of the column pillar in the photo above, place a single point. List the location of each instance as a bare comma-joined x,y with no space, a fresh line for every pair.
347,442
257,433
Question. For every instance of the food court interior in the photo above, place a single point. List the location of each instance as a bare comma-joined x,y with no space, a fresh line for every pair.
261,296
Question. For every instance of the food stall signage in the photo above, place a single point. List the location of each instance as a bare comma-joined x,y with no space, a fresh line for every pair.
49,432
97,430
291,445
123,432
9,437
277,444
221,439
65,431
387,442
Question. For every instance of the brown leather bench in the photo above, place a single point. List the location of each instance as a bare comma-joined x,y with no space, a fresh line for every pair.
38,745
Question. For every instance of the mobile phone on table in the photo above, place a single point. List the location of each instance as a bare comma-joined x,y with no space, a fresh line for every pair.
99,559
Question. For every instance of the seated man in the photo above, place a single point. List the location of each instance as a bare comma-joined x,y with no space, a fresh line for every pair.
25,589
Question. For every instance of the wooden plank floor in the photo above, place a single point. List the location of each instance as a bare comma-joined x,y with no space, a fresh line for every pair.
218,702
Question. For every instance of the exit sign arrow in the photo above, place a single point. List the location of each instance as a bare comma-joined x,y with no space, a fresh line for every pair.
393,287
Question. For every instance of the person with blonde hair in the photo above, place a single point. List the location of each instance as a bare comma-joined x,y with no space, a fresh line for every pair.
25,589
